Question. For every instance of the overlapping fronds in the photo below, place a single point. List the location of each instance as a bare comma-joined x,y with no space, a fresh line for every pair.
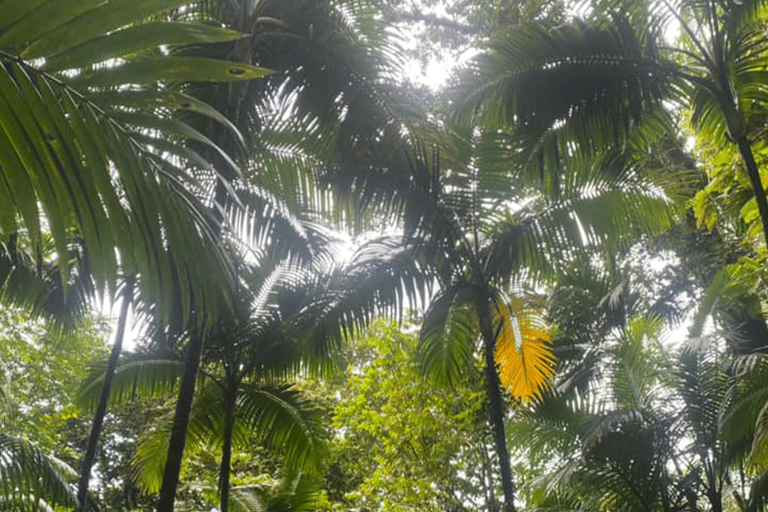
636,366
332,110
381,278
744,417
34,282
134,377
276,414
30,480
295,492
702,386
285,420
587,85
447,343
77,157
523,352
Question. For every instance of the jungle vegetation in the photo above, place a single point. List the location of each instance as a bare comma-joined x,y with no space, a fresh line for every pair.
538,286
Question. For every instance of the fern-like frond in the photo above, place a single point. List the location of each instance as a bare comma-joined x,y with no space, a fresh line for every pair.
133,377
31,479
286,420
447,342
526,363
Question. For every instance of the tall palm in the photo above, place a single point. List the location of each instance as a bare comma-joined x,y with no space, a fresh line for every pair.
327,98
287,319
587,87
647,429
480,241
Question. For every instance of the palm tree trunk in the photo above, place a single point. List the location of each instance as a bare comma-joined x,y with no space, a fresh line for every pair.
226,449
106,389
754,177
181,423
496,403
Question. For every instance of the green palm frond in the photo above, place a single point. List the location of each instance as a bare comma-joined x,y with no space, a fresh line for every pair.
30,479
552,421
543,80
742,420
204,430
34,282
300,492
702,386
285,420
381,278
758,494
60,125
134,377
636,369
447,343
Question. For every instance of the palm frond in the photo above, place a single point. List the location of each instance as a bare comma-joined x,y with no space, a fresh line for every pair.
299,492
30,479
636,368
286,420
134,377
447,342
88,161
545,81
758,494
205,429
526,363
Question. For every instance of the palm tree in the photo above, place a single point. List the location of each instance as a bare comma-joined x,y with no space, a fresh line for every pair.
328,100
584,88
479,241
289,317
88,91
640,426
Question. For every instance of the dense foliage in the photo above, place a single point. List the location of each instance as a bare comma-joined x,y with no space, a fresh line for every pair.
540,286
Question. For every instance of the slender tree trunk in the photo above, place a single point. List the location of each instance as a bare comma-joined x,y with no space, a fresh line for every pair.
106,389
181,423
226,449
496,402
754,177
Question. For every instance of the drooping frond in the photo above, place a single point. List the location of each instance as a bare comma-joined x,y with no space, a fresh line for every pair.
572,88
205,429
30,479
78,158
523,353
636,366
447,343
295,492
134,377
285,420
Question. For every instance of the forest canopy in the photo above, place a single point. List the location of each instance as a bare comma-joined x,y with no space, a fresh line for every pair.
376,255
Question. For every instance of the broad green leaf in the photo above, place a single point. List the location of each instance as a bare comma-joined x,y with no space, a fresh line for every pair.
14,10
47,16
134,39
104,18
181,69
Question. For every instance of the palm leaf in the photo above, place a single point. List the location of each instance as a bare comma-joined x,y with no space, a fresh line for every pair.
133,377
286,421
67,149
526,363
447,342
29,478
586,84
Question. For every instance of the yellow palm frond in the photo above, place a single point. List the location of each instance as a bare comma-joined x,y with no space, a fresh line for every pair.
526,363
